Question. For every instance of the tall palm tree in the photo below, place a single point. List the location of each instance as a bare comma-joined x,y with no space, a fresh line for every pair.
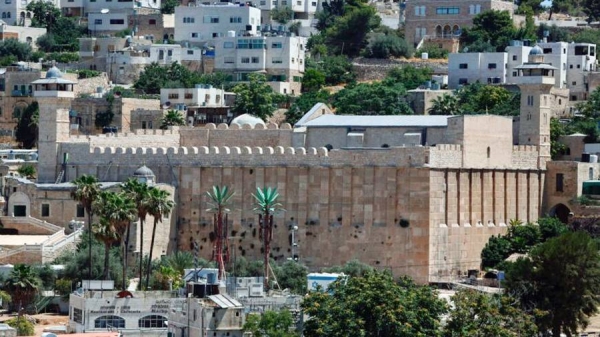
220,199
266,205
86,192
172,118
118,210
105,232
158,206
444,105
22,284
139,192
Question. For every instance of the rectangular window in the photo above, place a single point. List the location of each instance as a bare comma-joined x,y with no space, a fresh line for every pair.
491,65
211,19
447,10
245,60
149,124
195,35
514,73
228,44
235,19
143,125
189,20
190,52
255,59
98,21
152,22
228,60
314,4
263,3
275,3
574,82
45,210
463,81
173,96
581,50
463,66
514,57
298,3
251,44
276,45
80,212
78,315
188,95
117,21
419,10
560,181
547,50
284,3
277,60
170,52
7,2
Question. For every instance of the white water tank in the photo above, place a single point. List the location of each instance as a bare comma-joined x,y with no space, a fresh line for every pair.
593,158
424,56
231,33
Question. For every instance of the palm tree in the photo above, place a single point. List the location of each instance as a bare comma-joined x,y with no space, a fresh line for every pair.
220,198
444,105
86,192
179,261
266,206
172,118
22,284
118,210
139,192
158,206
104,231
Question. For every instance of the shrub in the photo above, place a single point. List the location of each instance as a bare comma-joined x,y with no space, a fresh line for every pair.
23,326
433,51
5,298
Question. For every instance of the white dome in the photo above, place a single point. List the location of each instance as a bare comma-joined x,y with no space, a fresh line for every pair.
247,119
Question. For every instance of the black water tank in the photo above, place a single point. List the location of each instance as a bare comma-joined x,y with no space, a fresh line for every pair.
585,157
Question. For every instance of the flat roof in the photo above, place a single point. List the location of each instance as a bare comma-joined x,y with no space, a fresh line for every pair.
378,121
20,240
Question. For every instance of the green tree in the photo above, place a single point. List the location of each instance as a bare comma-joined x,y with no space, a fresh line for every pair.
18,50
105,232
22,284
352,268
348,35
478,98
168,6
140,193
551,227
587,36
557,130
493,26
266,204
86,191
119,210
159,206
22,325
172,118
496,250
270,324
592,9
477,314
433,51
255,97
180,261
219,202
524,237
388,45
292,275
154,77
377,98
313,80
560,281
331,11
63,36
27,129
244,268
553,33
45,14
445,104
373,305
337,69
304,103
27,171
409,76
282,14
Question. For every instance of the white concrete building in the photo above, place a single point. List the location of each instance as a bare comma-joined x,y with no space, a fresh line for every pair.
467,68
128,6
206,22
27,35
200,105
573,62
107,22
281,58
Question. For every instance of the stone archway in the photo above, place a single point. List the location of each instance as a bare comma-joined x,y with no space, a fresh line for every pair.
19,204
561,211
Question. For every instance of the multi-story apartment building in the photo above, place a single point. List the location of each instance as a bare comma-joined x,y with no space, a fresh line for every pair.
574,62
281,58
14,12
200,105
203,23
442,22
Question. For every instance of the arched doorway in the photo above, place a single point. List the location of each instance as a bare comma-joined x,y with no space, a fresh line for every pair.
447,31
19,204
561,211
438,31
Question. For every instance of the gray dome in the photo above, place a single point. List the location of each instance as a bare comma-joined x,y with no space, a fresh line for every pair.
536,51
247,119
54,73
143,171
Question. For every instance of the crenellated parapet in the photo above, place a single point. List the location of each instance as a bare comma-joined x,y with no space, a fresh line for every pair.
446,155
525,157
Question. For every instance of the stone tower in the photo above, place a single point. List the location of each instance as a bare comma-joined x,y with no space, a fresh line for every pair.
535,79
54,95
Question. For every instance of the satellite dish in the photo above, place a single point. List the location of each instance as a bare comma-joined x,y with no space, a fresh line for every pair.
104,10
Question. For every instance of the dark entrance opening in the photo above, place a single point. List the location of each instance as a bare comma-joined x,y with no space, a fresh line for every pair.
19,210
561,212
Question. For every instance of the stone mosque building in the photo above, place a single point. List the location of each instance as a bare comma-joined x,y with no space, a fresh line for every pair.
418,195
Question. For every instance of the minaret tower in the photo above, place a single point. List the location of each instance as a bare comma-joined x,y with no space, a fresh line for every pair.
535,79
54,95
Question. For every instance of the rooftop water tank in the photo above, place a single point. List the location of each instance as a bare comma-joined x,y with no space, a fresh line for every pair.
231,33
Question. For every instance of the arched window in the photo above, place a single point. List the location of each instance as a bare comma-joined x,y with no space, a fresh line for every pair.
152,321
8,15
109,321
4,15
